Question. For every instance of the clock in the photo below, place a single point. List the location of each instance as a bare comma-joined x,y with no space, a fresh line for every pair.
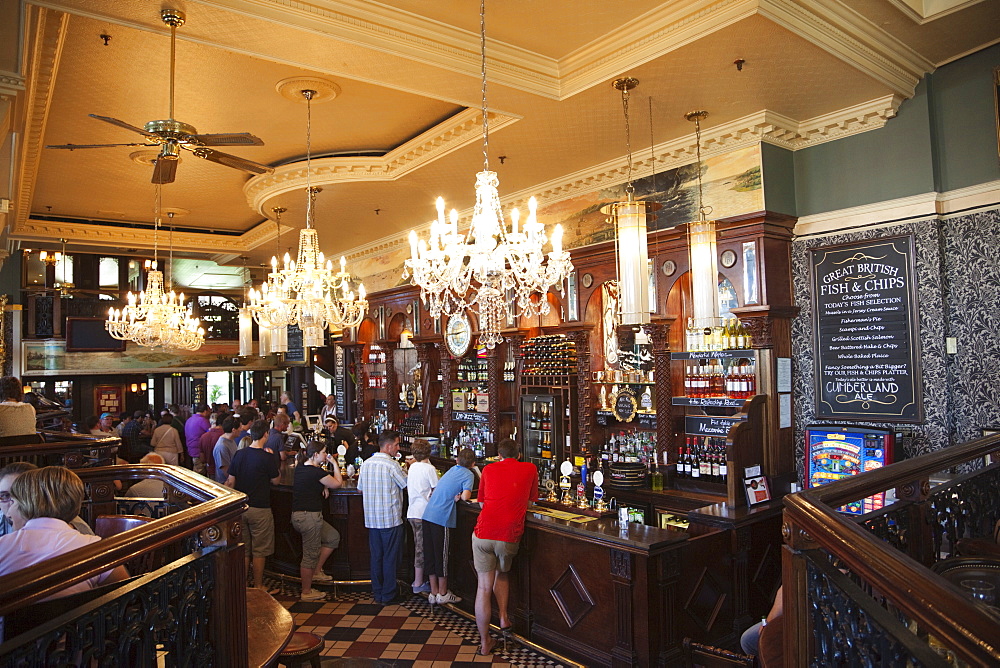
458,335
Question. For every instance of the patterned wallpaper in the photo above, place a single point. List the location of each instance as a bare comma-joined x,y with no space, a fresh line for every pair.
972,293
934,432
958,291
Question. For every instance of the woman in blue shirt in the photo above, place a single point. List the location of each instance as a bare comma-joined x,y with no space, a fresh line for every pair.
439,518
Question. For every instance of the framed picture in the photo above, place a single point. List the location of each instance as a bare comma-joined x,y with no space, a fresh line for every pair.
757,490
109,399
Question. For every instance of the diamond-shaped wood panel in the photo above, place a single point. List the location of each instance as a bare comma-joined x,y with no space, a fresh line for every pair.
706,600
571,597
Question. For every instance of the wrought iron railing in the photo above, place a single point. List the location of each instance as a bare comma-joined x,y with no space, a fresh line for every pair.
860,591
191,611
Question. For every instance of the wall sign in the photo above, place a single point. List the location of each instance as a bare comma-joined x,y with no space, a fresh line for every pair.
866,335
624,406
708,425
296,351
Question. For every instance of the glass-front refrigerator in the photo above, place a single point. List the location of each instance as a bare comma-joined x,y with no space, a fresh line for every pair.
542,429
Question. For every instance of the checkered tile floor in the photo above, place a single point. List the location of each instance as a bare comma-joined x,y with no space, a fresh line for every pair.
411,634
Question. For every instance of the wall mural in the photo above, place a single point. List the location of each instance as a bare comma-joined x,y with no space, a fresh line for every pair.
731,182
934,432
44,358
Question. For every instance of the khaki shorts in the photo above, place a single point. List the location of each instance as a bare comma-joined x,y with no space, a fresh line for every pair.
316,533
258,531
492,555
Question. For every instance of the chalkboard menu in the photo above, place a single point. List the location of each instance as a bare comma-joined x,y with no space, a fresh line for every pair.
866,331
296,351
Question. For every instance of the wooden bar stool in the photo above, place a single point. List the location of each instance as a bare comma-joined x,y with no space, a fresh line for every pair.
301,648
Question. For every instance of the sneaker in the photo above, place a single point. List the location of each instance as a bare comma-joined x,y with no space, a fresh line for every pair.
422,589
448,597
313,596
432,599
321,577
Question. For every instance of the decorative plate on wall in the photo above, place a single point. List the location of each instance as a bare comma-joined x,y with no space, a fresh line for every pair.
669,267
587,280
728,258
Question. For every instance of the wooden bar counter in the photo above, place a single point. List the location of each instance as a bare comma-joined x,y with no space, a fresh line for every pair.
586,588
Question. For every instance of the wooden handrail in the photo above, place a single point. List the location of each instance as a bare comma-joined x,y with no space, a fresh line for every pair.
217,504
962,628
878,480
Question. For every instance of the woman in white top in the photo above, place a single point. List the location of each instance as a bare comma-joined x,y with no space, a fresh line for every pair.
420,482
166,442
16,417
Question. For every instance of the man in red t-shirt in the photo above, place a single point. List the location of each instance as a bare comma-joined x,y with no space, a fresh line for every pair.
506,489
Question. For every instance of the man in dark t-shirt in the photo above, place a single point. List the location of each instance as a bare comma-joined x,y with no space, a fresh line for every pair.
252,471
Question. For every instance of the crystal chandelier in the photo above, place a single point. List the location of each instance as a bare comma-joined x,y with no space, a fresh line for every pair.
306,292
156,318
497,272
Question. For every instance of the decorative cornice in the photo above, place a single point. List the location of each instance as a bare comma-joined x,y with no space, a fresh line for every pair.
457,131
11,84
764,126
852,38
48,35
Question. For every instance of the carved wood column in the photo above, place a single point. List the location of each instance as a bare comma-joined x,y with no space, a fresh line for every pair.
623,654
446,384
493,388
391,390
585,389
659,336
797,633
360,378
430,388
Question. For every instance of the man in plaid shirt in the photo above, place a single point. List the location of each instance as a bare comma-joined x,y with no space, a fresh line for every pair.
381,482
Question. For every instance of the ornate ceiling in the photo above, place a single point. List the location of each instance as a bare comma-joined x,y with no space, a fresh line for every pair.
405,126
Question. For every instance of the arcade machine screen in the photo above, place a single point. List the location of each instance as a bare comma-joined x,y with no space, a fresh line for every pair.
835,452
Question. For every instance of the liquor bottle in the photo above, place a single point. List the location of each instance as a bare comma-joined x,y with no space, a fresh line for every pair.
694,464
546,422
655,477
723,466
705,464
533,416
690,340
680,462
716,467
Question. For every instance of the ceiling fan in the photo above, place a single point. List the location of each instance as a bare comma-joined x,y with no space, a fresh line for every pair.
172,135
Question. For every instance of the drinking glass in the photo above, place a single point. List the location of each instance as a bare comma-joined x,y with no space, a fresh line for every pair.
980,591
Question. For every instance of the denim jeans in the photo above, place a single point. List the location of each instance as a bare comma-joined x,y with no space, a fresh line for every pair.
386,546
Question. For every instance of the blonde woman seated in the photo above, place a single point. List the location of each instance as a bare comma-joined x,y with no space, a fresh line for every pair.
46,500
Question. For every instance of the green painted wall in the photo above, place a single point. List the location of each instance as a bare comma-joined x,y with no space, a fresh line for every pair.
943,138
963,121
891,162
778,174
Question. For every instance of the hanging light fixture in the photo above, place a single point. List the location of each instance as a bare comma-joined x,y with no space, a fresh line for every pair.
306,292
156,318
245,316
702,249
496,272
629,219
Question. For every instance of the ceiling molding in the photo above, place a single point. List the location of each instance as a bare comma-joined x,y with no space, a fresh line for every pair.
921,17
47,37
854,39
660,31
460,130
764,126
11,84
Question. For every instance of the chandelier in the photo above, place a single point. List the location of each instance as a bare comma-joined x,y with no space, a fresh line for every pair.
629,219
156,318
702,249
306,292
497,272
